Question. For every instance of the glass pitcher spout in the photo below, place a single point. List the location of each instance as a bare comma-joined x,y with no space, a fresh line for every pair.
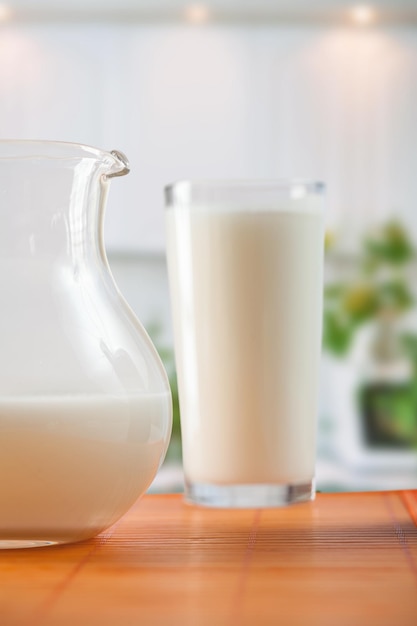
122,166
85,403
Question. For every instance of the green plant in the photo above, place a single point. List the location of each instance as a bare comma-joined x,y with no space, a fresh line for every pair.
379,287
380,290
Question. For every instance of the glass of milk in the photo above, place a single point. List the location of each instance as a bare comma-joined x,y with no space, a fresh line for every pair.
245,262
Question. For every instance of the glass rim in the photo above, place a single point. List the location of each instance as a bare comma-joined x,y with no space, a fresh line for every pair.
185,187
246,182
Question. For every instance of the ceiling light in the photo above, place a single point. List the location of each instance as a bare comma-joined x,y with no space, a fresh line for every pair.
363,14
5,13
197,13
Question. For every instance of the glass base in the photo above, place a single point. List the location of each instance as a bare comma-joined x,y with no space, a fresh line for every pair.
248,496
15,544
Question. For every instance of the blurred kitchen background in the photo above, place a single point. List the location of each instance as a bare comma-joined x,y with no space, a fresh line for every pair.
322,89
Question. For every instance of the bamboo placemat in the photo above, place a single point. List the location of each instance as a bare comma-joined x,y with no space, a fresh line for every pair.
344,560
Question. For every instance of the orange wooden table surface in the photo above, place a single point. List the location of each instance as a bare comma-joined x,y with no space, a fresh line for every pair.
346,559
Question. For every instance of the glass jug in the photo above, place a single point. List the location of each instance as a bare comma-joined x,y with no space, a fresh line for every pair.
85,403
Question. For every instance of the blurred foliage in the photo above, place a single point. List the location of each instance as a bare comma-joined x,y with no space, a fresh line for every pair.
390,414
390,410
380,290
380,286
388,244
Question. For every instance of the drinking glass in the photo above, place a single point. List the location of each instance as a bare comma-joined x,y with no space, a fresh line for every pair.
245,263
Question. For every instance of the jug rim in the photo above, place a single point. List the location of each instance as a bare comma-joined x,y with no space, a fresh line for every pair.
23,149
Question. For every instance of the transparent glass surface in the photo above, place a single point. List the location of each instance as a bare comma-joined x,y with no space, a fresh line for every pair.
85,404
245,263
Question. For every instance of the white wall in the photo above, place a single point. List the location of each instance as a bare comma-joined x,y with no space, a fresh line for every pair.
222,101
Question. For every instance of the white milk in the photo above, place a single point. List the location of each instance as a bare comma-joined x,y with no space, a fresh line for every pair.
246,291
71,466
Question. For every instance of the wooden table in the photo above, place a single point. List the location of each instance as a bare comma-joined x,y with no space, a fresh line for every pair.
344,560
